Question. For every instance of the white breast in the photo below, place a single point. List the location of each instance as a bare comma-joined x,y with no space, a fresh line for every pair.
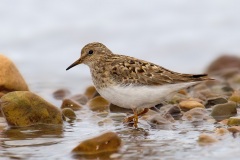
139,96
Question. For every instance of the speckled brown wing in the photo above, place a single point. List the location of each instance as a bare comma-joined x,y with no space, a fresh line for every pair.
128,70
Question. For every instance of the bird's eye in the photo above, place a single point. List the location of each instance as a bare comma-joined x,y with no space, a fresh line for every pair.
90,52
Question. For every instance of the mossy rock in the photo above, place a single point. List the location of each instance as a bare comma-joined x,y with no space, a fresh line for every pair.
234,121
23,108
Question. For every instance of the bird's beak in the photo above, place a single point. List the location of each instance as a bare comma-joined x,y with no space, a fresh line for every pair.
77,62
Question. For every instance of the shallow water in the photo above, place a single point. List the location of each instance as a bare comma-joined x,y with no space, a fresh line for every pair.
44,37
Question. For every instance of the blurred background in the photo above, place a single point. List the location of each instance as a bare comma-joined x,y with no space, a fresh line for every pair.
43,37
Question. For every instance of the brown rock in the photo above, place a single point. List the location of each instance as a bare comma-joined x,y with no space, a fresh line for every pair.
80,98
223,111
69,113
224,62
107,142
23,108
10,77
98,104
221,131
204,139
234,129
61,94
216,100
188,104
235,97
159,119
195,114
90,92
69,103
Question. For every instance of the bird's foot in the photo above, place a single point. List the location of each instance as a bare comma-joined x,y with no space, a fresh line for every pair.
134,118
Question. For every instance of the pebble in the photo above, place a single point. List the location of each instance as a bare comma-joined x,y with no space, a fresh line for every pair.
61,94
90,92
205,139
234,129
105,143
235,97
159,119
10,77
98,104
195,114
24,108
80,98
221,131
228,61
68,113
223,111
189,104
234,121
215,100
69,103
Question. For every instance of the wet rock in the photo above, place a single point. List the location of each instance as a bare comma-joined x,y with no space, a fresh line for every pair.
116,109
195,114
221,131
234,129
224,62
224,122
234,121
235,97
205,139
173,110
188,104
91,92
11,79
68,113
159,119
105,143
69,103
105,121
215,100
223,111
80,98
61,94
98,104
23,108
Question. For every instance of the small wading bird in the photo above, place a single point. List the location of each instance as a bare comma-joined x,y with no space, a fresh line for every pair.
130,82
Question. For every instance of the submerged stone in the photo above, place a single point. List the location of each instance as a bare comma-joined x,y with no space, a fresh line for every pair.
23,108
195,114
205,139
107,142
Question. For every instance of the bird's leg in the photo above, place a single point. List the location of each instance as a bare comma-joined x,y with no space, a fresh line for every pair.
134,118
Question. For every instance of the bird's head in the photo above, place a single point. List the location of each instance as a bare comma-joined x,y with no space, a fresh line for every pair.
91,53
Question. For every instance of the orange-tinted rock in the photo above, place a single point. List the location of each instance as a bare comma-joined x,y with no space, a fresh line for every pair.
107,142
221,131
61,93
204,139
234,129
10,77
189,104
23,108
195,114
69,103
98,104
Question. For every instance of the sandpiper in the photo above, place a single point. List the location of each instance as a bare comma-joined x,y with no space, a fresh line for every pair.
129,82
